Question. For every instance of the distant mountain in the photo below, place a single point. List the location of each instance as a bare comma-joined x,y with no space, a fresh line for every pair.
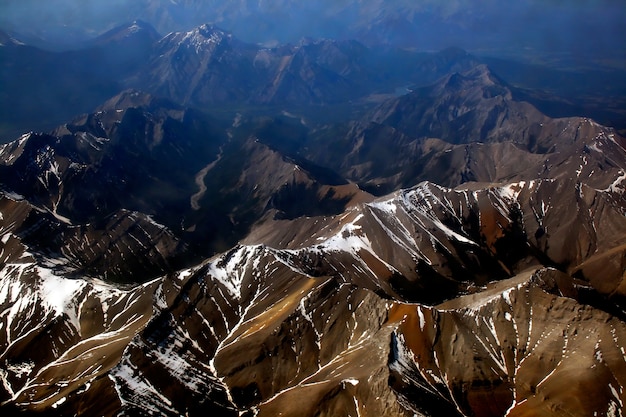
203,67
8,40
210,68
57,86
138,31
207,66
426,24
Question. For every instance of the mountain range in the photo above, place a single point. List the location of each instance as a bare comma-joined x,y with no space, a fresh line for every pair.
308,229
424,24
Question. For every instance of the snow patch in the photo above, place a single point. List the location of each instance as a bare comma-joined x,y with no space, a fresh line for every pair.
60,402
387,206
618,186
20,369
349,239
511,192
13,196
420,314
230,268
60,294
351,381
127,377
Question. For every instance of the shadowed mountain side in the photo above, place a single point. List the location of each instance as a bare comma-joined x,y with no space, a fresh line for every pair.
41,89
125,246
202,179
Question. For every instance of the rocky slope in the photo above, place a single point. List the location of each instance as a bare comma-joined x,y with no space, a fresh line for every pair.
524,346
326,317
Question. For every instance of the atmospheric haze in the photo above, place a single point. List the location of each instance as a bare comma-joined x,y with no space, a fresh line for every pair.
557,26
